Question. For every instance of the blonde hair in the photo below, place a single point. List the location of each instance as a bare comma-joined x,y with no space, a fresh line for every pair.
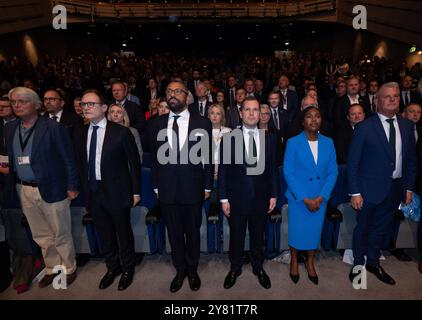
223,114
126,121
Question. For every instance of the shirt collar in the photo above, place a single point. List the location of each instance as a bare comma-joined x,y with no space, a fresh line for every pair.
383,117
101,124
247,130
184,114
58,114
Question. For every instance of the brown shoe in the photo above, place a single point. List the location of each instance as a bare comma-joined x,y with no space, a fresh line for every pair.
70,278
420,266
46,280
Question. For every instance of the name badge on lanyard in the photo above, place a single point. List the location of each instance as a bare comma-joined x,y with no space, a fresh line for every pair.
23,160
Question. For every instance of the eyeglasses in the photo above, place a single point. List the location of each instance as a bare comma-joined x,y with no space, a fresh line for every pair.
176,91
89,104
19,101
51,99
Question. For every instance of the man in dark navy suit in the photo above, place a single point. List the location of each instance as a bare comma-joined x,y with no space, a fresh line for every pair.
43,170
381,173
201,104
288,99
181,184
247,190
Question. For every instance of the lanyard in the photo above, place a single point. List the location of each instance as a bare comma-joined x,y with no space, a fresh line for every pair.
25,142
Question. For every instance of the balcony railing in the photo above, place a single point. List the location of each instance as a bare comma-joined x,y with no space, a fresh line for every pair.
210,9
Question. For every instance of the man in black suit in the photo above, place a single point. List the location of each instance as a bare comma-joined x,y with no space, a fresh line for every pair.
230,92
278,116
233,113
181,183
407,95
201,104
110,167
43,170
136,116
372,95
259,93
343,104
247,191
196,79
288,99
150,92
343,136
249,86
54,101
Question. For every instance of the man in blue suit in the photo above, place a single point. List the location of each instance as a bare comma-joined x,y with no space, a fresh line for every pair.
246,196
43,170
181,184
381,173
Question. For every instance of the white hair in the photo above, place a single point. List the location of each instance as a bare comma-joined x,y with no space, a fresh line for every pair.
26,93
388,85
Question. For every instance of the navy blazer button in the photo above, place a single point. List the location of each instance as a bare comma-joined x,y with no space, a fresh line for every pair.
317,178
310,179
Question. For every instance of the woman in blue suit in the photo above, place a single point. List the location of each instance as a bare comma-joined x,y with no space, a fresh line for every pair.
310,170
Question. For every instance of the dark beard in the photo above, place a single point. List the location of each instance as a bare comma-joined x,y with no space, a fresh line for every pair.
175,105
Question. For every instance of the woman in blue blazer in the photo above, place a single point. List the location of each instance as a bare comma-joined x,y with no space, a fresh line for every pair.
310,170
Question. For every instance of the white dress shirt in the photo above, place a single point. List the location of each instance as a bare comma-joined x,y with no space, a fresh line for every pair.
183,123
314,149
397,173
354,100
246,139
99,149
58,115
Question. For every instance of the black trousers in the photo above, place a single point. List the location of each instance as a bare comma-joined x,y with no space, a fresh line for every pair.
256,226
183,224
117,241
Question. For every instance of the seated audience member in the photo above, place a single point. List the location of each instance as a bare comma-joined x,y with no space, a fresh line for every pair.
343,136
264,121
118,114
153,109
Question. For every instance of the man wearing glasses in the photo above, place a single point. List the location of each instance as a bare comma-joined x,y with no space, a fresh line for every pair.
110,167
181,185
54,102
42,167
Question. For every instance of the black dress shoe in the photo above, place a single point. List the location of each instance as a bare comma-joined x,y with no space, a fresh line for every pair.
263,279
230,279
313,279
125,280
294,277
400,255
380,274
108,279
194,281
177,282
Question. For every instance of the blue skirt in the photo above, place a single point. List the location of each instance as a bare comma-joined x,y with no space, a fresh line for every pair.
304,226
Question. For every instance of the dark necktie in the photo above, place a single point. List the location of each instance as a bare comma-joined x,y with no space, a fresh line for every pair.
92,155
406,95
54,118
232,97
277,123
201,108
392,140
284,99
374,109
176,143
252,151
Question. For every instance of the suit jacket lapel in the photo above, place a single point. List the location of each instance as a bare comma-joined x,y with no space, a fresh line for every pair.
307,149
106,143
379,129
40,129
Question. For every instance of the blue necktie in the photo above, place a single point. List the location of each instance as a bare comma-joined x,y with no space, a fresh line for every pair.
91,165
